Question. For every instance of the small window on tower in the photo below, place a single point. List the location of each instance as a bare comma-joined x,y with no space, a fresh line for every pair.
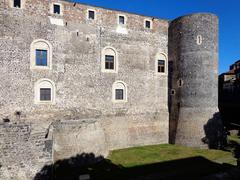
17,3
161,66
180,82
56,9
91,14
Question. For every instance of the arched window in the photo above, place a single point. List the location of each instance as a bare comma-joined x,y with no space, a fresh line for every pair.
161,63
44,92
41,54
119,93
109,60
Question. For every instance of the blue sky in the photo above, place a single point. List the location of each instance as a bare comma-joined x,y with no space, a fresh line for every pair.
228,12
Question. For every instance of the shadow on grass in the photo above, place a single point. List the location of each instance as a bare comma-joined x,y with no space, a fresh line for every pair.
103,169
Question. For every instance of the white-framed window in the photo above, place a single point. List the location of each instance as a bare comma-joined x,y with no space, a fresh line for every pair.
91,14
17,3
44,92
161,63
56,8
119,92
40,54
122,20
109,61
180,83
148,24
199,39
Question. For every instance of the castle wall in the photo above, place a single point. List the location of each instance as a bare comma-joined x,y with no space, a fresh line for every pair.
23,153
193,56
83,91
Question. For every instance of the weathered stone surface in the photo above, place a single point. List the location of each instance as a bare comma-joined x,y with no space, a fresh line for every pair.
84,119
83,92
196,65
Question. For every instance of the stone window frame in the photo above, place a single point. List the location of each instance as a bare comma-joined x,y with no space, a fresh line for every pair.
104,53
95,15
52,8
173,92
44,83
159,57
151,23
44,45
125,20
11,4
199,39
115,86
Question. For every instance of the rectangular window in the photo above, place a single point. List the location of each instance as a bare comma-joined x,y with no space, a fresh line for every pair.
56,9
109,62
161,66
148,24
17,3
91,15
119,94
41,57
121,20
45,94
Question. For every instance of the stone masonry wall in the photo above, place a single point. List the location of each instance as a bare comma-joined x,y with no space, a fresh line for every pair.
23,153
83,91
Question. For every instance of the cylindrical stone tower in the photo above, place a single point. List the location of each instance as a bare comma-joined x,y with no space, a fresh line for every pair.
193,77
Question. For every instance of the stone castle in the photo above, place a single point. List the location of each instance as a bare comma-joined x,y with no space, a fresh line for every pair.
77,78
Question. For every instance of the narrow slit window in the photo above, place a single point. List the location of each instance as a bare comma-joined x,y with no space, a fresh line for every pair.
161,66
109,62
56,9
121,20
180,82
119,94
91,15
17,3
41,57
45,94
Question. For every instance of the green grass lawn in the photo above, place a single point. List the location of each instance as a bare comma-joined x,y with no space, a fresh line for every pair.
162,153
159,162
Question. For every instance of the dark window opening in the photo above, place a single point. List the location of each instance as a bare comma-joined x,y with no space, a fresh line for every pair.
109,62
56,9
119,94
41,57
121,20
161,66
17,3
45,94
91,15
180,83
148,24
173,92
